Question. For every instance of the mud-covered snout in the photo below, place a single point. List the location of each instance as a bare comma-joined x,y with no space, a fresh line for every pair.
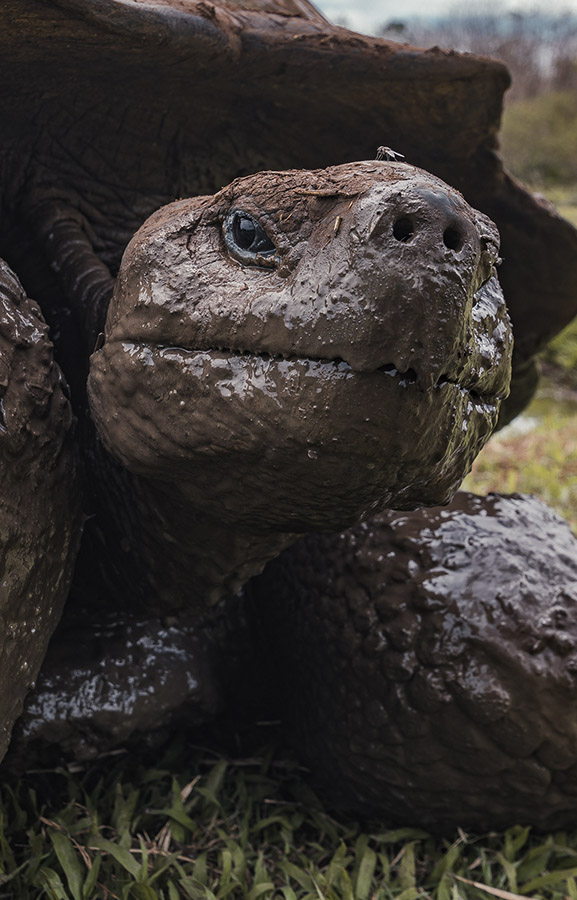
435,222
397,284
377,264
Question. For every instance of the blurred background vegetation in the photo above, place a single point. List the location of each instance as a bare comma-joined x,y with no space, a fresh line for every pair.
539,128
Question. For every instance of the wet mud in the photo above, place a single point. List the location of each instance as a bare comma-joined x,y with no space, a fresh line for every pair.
355,363
40,520
294,352
248,387
428,666
113,680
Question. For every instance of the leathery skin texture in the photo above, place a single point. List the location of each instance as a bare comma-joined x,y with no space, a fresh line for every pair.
428,662
358,366
118,679
356,358
40,523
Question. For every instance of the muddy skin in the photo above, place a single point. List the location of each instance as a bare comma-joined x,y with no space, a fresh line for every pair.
40,521
428,664
81,168
227,467
230,92
111,681
118,678
359,252
256,397
423,665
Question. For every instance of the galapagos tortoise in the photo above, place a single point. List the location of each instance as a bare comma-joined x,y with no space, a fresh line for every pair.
297,351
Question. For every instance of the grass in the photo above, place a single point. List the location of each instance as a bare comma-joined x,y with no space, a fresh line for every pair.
245,830
539,138
565,199
561,356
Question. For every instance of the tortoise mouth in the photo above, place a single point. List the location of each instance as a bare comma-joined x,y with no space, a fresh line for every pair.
481,389
310,442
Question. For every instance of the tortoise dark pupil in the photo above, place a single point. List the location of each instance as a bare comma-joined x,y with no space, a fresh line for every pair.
245,231
246,237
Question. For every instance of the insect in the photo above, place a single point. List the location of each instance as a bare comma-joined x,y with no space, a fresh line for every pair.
388,155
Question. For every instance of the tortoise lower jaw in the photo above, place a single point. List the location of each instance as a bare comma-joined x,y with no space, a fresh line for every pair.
285,444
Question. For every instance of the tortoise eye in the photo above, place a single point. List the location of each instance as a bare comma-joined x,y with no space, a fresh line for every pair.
246,238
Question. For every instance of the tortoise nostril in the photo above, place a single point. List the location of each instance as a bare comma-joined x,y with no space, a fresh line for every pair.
452,238
403,229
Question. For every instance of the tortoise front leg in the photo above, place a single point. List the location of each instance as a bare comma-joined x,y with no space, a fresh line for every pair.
65,236
40,521
427,662
112,678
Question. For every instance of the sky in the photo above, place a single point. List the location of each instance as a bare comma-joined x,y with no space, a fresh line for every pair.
366,15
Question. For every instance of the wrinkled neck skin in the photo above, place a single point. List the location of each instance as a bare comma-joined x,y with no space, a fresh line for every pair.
201,560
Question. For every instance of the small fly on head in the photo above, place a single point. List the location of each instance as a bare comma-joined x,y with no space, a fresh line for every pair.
388,155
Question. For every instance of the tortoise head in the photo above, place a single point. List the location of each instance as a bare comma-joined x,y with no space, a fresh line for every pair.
305,348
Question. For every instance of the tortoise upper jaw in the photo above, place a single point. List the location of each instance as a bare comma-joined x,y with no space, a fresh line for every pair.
394,286
477,357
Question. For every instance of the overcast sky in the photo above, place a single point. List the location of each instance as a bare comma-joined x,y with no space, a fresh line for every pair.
366,15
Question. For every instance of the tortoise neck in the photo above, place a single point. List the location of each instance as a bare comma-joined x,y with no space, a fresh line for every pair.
202,560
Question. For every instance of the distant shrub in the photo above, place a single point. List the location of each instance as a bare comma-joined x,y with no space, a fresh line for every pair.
562,351
538,46
539,138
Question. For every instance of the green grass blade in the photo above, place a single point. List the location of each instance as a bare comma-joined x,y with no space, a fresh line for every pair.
92,878
365,875
52,884
69,862
122,856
